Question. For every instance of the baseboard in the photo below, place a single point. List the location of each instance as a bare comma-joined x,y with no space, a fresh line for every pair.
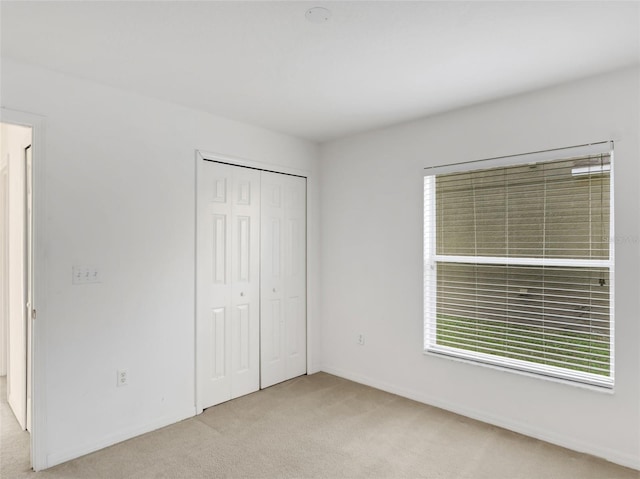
64,456
626,460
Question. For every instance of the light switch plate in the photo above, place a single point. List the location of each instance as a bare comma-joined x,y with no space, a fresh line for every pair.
123,377
85,275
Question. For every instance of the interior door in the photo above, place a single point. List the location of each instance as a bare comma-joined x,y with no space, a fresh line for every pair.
228,282
28,269
4,272
17,324
283,278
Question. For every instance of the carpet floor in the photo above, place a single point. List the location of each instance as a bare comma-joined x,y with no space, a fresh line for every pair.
318,426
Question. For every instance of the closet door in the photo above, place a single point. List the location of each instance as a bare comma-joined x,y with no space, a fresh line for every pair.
228,282
283,346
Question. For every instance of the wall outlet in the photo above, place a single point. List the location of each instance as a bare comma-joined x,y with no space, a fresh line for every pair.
361,339
123,377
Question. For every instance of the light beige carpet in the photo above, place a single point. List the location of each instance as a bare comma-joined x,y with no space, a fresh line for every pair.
14,442
321,426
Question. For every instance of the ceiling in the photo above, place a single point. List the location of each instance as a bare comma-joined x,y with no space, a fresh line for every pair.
374,63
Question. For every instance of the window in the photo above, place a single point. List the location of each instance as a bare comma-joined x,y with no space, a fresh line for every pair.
518,265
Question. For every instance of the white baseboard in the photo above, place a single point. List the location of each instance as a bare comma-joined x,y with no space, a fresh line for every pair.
572,443
64,456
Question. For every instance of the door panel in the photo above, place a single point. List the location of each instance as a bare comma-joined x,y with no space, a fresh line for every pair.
213,304
270,323
245,282
18,277
227,283
245,337
219,248
272,367
29,270
283,278
217,331
243,248
293,345
276,248
296,286
244,192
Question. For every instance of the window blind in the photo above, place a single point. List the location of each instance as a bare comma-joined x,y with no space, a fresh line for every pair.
518,264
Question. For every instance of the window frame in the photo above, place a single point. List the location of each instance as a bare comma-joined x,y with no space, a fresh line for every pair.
431,258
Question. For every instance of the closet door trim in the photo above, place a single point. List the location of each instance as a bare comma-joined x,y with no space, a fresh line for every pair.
256,165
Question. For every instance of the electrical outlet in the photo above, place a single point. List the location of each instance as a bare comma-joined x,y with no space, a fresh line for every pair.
361,339
123,377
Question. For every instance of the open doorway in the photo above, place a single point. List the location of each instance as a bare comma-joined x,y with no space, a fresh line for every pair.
16,267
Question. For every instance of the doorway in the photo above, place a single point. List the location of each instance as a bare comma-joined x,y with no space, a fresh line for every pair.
250,280
16,268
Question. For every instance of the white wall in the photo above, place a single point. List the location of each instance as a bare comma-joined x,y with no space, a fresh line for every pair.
119,186
371,223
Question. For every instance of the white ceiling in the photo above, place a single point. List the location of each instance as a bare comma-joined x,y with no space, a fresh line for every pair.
373,64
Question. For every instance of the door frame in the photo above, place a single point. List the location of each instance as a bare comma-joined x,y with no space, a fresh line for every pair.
37,353
201,156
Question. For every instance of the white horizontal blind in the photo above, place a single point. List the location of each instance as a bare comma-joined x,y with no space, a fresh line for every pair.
518,265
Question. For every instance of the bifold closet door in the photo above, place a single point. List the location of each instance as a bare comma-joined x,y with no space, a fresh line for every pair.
228,282
283,333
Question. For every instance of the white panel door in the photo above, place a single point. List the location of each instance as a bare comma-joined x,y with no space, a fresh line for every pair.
17,324
245,282
283,308
228,282
29,271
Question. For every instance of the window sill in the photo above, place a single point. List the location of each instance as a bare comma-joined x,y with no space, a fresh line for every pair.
601,388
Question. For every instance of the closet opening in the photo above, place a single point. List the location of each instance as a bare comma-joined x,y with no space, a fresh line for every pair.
251,276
